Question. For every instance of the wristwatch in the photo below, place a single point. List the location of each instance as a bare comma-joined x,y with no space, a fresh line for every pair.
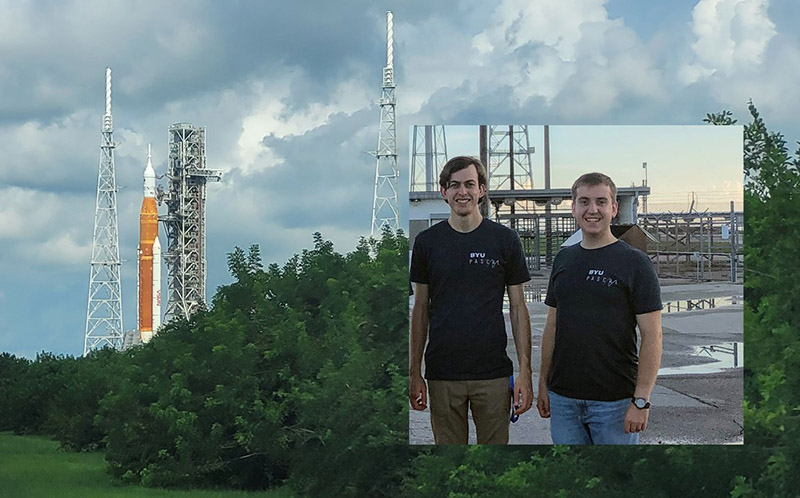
640,403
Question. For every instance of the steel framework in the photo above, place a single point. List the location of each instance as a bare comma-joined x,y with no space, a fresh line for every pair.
385,209
104,309
509,167
538,232
429,155
185,221
509,158
702,246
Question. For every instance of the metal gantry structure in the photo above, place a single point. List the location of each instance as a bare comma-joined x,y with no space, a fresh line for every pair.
104,309
185,221
509,158
429,154
385,208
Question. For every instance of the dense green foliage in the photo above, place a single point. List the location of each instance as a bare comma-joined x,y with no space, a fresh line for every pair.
56,395
482,471
772,293
296,375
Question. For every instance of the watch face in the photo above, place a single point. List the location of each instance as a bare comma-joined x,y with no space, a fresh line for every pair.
640,402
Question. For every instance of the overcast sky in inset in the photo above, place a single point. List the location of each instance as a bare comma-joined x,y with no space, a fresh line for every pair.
684,163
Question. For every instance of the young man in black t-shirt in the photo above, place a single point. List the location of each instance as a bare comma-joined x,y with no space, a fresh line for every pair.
592,384
461,268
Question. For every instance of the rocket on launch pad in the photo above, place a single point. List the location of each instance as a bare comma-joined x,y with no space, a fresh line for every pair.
149,258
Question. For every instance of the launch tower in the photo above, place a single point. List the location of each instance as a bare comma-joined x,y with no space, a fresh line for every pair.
104,310
385,207
185,221
509,158
429,156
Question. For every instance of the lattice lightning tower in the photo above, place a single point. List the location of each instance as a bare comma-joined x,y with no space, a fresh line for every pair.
385,206
185,221
104,310
429,156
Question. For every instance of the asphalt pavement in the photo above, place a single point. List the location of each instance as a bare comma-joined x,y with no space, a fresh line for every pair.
698,398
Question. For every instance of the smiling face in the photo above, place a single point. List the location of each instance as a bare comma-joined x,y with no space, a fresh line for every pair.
593,209
463,191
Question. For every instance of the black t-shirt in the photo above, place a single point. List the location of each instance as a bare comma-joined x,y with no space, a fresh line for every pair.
467,274
597,294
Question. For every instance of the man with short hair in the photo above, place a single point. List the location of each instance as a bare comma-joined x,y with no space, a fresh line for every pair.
461,268
592,384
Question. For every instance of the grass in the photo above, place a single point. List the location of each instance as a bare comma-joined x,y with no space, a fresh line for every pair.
32,466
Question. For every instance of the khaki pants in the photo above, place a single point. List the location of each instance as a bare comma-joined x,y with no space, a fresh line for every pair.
489,401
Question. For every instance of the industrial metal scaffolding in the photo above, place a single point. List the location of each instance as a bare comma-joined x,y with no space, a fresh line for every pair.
185,221
507,152
509,158
104,309
701,246
429,154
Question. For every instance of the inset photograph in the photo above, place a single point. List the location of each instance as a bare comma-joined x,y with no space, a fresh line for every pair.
576,285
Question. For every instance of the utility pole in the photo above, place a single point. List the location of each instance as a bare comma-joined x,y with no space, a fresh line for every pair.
644,165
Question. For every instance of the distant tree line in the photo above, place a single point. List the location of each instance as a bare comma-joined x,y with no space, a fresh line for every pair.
296,376
292,376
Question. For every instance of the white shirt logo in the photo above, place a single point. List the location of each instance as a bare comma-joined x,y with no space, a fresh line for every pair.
479,258
597,276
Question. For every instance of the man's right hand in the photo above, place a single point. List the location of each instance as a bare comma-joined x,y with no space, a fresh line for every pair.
543,402
417,392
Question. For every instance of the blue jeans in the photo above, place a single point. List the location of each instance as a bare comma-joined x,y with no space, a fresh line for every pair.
581,421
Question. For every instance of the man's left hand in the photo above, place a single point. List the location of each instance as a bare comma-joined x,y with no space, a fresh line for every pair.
636,419
523,393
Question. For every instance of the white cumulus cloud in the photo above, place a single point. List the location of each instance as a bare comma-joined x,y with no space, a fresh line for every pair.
730,36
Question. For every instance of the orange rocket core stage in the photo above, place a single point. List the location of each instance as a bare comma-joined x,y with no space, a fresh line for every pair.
148,232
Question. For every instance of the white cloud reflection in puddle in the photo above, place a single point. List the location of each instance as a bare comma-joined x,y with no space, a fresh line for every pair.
727,355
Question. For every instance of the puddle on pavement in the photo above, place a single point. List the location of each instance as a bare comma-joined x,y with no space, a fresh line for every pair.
682,305
536,292
727,355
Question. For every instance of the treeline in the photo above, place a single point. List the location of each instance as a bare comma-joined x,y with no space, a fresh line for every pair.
296,376
293,376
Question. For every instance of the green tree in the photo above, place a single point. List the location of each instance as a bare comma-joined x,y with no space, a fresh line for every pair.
293,373
13,385
70,417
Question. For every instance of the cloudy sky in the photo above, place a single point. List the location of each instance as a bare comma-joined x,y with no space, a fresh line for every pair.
287,92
